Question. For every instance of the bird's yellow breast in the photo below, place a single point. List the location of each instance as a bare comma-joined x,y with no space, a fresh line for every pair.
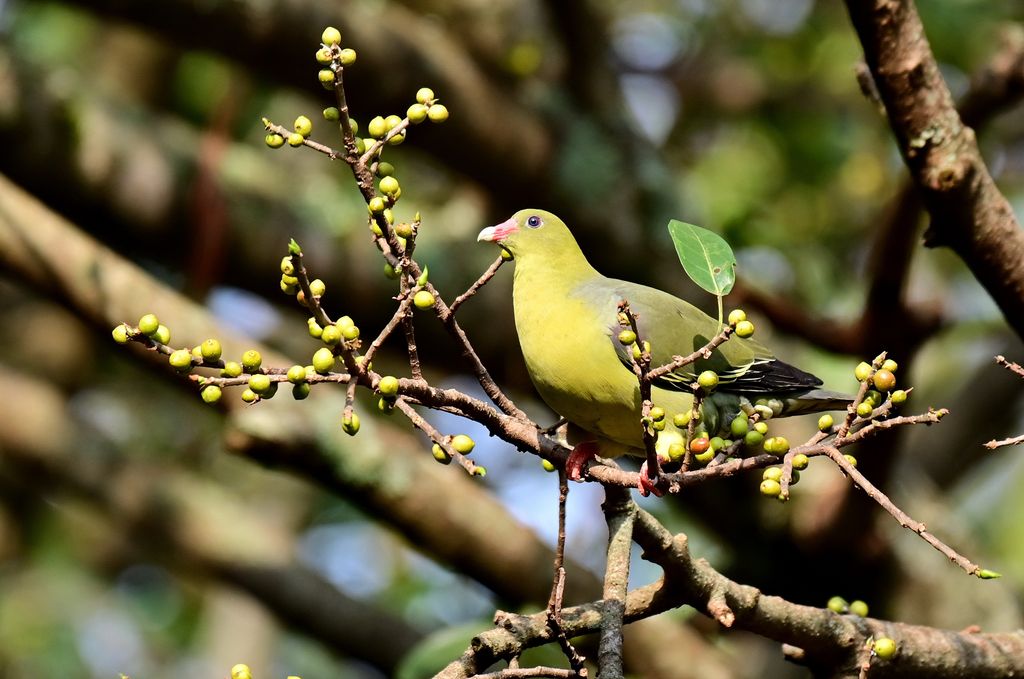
572,362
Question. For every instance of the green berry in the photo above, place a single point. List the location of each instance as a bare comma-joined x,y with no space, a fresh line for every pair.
770,488
323,360
681,419
416,113
548,466
825,422
249,396
149,324
389,185
197,352
241,670
423,299
274,140
388,385
391,122
441,455
657,413
705,457
744,329
753,438
873,397
211,393
837,604
627,337
303,126
324,56
350,424
347,57
287,266
480,471
297,374
390,272
395,141
259,383
326,77
865,408
794,478
317,287
385,169
884,648
859,608
376,205
658,425
120,333
777,445
463,444
676,451
377,127
314,328
708,379
403,230
211,350
862,371
437,113
736,316
717,443
890,365
851,459
739,426
424,95
884,380
761,427
162,334
986,574
800,461
898,396
295,139
251,361
344,322
330,36
350,332
301,391
772,473
181,360
332,114
231,369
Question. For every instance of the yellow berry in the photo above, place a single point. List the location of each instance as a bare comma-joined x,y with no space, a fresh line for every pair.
326,77
800,461
548,465
437,113
303,126
231,369
242,671
463,444
440,454
890,365
770,488
744,329
884,648
210,350
120,333
211,393
295,139
708,379
181,360
859,608
149,324
825,422
323,360
737,315
260,383
251,361
424,95
350,424
274,140
423,299
330,36
347,57
862,371
416,113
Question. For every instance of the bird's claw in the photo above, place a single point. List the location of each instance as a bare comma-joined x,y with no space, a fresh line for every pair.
646,485
582,454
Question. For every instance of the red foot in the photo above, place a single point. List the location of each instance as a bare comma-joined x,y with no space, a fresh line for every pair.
646,485
582,454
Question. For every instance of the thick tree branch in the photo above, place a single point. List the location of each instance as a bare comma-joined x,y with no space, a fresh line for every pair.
968,212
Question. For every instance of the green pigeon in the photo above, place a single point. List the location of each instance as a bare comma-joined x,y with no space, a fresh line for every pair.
567,319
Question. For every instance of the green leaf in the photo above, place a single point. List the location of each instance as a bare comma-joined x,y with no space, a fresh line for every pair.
705,256
293,247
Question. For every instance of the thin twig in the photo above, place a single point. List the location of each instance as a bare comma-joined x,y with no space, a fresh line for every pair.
479,283
437,437
554,610
1015,368
902,517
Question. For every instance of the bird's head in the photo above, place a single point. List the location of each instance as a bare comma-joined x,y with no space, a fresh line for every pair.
531,231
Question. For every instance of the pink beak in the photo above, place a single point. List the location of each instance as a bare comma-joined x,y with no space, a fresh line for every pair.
499,232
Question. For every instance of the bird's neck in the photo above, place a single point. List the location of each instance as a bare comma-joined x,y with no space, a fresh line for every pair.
554,273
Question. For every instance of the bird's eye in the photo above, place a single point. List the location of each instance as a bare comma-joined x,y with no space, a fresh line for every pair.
533,222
